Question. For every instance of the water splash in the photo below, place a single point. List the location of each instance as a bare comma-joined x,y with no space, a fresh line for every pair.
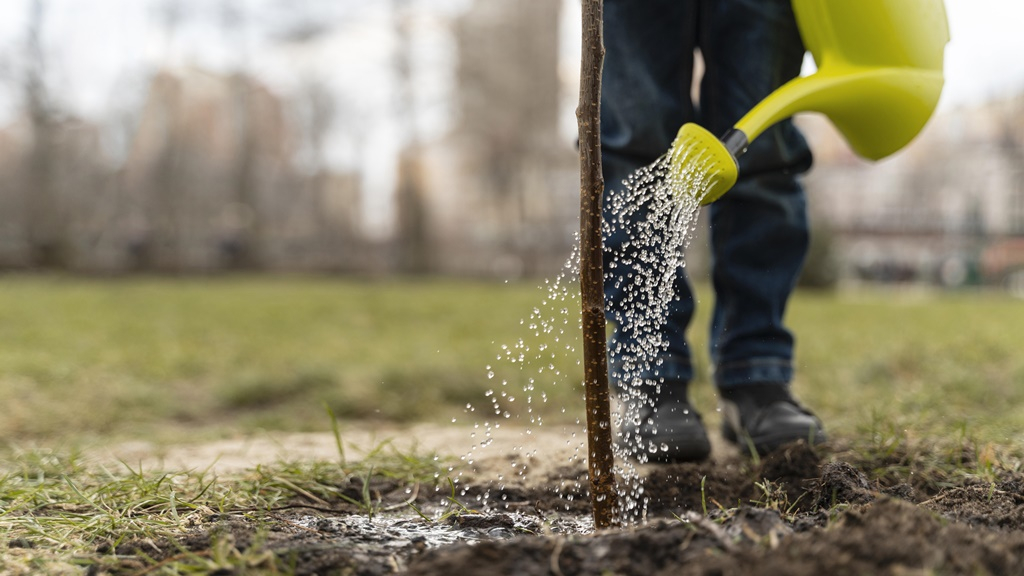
537,362
657,210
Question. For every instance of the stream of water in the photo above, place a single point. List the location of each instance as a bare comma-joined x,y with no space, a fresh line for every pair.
657,211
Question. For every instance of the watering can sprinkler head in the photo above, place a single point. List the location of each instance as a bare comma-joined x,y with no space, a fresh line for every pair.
879,79
704,164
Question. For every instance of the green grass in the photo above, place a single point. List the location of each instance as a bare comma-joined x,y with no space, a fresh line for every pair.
159,358
61,514
925,365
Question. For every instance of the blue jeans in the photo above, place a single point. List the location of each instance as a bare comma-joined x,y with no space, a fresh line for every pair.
759,229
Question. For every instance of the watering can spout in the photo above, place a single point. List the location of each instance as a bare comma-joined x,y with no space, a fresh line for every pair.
879,79
878,111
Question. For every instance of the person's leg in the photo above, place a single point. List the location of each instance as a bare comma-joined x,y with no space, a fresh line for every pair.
645,99
759,229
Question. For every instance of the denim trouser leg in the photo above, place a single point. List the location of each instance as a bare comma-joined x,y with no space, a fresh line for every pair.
759,229
645,98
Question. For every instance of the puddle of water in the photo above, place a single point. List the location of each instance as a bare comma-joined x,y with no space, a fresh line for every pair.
401,531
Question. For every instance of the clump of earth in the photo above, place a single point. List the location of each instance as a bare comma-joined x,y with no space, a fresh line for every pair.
801,510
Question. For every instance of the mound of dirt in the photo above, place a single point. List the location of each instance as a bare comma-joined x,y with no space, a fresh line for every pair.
801,510
886,537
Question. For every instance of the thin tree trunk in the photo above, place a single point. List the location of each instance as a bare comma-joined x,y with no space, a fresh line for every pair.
601,460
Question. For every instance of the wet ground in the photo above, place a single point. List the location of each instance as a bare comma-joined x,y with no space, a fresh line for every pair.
798,511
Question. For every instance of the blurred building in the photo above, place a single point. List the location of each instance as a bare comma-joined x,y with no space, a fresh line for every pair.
208,183
49,166
500,193
207,157
932,212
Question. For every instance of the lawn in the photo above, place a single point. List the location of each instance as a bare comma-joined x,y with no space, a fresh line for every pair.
162,357
208,357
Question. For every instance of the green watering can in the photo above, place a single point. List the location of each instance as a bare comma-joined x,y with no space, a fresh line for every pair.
878,80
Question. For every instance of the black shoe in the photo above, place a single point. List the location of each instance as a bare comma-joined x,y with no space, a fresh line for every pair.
764,418
669,432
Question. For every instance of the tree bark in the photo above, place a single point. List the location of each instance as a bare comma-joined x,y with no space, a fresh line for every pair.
601,460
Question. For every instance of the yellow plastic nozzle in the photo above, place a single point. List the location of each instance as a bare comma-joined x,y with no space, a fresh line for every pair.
701,165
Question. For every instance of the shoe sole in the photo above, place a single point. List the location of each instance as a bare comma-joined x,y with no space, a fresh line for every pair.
772,442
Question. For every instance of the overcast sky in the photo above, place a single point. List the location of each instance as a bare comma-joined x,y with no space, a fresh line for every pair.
93,43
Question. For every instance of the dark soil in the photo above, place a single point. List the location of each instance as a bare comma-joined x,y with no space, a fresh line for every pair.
797,511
